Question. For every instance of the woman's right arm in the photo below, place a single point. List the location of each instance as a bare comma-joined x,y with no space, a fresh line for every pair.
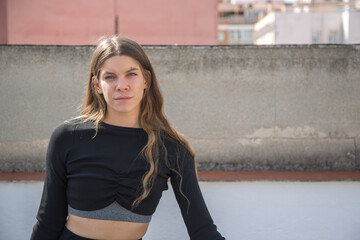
52,214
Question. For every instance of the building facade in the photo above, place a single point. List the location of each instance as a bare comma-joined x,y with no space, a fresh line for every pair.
310,23
82,22
236,20
286,22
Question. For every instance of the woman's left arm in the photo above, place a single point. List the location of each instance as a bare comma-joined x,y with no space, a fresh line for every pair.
196,216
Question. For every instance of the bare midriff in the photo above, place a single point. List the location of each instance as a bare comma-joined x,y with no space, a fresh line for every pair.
106,229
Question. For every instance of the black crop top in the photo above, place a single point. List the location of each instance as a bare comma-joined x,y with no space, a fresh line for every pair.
89,173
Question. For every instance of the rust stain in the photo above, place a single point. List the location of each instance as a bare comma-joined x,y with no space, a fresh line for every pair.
229,176
279,176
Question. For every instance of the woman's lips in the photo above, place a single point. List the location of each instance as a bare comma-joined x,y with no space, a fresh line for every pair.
122,99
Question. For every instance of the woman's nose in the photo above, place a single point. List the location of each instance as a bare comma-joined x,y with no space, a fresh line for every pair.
122,84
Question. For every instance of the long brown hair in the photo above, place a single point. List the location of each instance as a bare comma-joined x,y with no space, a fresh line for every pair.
151,118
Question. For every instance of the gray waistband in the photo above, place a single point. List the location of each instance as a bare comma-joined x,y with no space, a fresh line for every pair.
113,212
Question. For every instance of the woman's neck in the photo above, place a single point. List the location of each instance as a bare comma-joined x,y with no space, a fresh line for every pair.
122,121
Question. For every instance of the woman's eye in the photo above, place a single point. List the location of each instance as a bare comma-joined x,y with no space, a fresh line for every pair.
108,77
132,74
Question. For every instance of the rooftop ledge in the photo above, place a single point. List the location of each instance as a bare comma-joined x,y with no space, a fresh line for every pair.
229,176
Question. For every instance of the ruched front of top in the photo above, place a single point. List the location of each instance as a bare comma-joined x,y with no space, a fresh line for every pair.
109,168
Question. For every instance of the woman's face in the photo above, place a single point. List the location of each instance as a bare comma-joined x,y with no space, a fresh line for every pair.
122,84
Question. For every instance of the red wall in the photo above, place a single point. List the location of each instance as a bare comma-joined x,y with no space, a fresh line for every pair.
3,22
169,21
68,22
82,22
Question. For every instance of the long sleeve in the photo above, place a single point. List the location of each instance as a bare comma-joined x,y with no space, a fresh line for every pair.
52,214
198,221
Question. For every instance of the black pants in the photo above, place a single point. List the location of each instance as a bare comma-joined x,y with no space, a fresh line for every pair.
68,235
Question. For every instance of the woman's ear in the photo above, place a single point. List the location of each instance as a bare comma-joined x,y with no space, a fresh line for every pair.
97,85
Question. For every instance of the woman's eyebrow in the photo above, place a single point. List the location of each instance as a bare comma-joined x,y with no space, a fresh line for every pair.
109,73
132,69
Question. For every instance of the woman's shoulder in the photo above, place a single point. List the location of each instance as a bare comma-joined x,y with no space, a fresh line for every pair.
69,127
170,142
175,146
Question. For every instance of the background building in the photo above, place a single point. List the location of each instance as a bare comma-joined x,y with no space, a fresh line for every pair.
236,20
82,22
285,22
310,22
185,22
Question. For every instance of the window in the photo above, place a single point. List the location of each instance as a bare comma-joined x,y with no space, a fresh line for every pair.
247,35
315,37
333,37
235,36
221,36
241,36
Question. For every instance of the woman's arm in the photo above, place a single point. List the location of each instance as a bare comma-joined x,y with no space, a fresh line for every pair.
196,216
52,214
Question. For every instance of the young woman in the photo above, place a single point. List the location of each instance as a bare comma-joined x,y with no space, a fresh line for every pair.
107,168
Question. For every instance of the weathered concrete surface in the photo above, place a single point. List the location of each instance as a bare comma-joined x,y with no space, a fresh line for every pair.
22,156
242,107
276,154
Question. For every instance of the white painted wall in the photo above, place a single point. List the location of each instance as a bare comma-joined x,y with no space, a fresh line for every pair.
302,27
293,28
354,27
241,210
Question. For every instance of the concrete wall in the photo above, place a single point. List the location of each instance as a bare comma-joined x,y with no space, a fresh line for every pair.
242,107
